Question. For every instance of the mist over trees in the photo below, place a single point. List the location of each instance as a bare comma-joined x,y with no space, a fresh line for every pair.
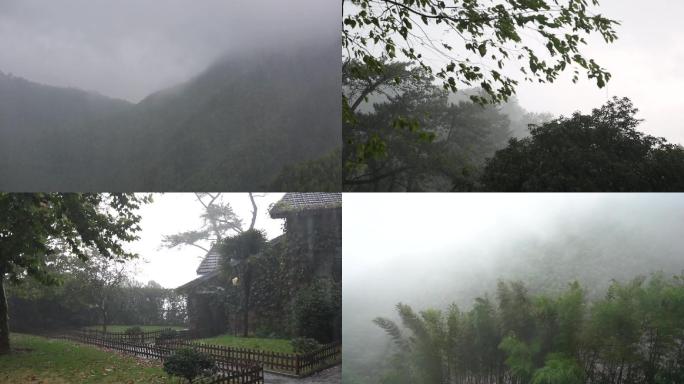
436,251
411,135
483,51
482,44
430,139
632,335
239,125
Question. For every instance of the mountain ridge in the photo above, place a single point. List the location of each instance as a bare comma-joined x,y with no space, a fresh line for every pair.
234,126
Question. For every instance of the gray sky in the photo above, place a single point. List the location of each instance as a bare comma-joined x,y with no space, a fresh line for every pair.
175,212
131,48
645,63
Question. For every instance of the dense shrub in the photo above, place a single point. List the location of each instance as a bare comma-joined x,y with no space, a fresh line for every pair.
304,345
166,335
189,364
316,309
133,331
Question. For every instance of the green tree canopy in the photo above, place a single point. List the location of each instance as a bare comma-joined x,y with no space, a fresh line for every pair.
33,226
602,151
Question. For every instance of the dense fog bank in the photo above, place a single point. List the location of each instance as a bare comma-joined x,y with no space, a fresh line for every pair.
432,250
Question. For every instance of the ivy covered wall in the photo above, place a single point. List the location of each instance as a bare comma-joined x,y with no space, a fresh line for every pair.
295,285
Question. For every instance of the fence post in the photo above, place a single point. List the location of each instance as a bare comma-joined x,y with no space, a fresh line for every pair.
297,364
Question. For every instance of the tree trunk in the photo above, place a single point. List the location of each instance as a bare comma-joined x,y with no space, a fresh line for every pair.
4,318
104,315
245,321
254,211
247,288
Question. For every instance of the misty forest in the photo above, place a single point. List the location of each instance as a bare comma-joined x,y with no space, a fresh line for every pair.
430,100
259,110
563,290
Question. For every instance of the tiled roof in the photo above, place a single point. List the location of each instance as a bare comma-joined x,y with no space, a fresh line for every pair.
210,263
212,260
297,202
198,281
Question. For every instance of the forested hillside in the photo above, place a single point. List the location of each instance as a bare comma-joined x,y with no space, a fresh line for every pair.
236,126
44,132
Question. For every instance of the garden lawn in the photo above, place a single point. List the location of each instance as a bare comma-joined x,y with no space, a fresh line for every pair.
271,345
36,359
145,328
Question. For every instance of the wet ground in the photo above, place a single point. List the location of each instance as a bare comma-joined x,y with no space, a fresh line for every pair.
329,376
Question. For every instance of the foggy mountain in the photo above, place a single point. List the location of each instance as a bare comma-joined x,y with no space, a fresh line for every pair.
437,250
234,126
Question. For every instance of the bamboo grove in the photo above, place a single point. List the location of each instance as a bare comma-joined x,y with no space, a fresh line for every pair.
633,334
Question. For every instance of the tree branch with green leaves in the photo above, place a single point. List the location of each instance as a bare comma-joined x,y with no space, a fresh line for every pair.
34,228
481,43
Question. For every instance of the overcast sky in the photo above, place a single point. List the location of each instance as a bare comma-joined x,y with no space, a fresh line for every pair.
175,212
646,64
131,48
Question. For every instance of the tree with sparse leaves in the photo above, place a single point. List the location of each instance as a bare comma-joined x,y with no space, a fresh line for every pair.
488,44
33,226
443,146
218,220
104,280
483,39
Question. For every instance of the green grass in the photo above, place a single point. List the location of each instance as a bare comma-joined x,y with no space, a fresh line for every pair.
271,345
123,328
39,360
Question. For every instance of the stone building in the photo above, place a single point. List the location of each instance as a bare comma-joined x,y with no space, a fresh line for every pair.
309,251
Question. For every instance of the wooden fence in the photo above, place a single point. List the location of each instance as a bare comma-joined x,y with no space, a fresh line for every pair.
143,337
230,371
299,365
327,356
